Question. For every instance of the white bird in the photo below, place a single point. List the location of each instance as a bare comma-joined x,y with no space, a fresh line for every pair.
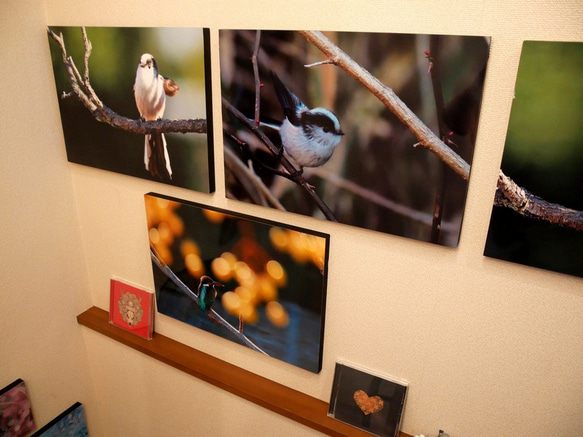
150,91
309,136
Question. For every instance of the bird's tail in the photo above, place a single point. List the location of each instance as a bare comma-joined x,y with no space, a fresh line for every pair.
156,157
288,100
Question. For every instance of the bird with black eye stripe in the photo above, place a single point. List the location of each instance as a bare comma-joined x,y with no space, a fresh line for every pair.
308,136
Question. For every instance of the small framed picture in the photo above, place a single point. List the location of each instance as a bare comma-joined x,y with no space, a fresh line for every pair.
368,401
15,414
70,422
132,309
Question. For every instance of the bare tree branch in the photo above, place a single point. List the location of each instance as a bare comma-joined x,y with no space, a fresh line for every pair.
510,195
213,315
82,89
256,76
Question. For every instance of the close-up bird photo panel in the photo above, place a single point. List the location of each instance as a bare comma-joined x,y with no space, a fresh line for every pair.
254,282
537,217
374,130
137,101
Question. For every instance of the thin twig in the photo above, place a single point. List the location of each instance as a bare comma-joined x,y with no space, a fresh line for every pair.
315,64
192,295
82,89
256,76
86,82
373,197
435,72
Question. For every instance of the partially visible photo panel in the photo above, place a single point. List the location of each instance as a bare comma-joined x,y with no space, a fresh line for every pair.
70,422
137,74
257,283
543,155
319,139
367,400
16,418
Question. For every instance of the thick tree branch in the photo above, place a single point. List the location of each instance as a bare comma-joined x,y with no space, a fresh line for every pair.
296,176
82,89
510,195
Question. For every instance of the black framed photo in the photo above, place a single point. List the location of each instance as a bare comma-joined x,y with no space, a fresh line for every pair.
133,75
332,125
255,282
367,400
537,219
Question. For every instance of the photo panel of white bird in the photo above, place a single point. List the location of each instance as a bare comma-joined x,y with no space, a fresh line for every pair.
374,130
137,101
254,282
537,217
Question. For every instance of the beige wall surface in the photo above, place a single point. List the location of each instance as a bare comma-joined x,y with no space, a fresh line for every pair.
43,275
488,347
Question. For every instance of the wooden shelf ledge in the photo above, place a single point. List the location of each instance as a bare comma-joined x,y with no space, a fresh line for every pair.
276,397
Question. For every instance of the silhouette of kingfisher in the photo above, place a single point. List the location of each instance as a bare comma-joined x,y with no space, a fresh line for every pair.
207,293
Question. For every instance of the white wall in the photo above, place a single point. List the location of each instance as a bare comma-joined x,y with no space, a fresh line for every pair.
488,347
43,275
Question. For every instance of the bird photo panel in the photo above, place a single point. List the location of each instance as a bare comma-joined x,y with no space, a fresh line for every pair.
137,101
255,282
367,129
15,410
70,422
537,219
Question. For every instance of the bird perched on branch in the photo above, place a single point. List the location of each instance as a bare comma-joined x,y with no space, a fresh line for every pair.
207,293
150,91
308,136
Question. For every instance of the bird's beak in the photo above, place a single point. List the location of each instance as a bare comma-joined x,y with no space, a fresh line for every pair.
340,132
218,284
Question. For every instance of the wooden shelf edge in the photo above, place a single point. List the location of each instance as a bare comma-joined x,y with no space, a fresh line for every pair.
276,397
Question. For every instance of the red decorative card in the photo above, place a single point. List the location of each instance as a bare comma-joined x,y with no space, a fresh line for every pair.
132,309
